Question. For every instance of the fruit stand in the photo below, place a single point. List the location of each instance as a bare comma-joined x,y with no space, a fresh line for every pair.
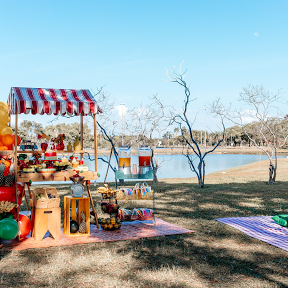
54,102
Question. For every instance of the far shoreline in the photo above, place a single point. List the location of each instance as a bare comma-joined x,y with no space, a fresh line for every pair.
180,151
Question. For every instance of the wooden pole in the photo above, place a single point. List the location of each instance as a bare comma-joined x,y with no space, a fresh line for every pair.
95,143
92,204
15,164
81,129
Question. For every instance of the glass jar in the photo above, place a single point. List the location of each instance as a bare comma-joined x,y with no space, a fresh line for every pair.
124,154
144,155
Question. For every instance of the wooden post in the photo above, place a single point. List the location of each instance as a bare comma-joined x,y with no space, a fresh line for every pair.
15,164
95,143
92,204
81,129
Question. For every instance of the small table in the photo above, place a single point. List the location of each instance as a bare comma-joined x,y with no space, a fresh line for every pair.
74,214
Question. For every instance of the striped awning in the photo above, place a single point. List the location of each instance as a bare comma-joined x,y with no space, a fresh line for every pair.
51,101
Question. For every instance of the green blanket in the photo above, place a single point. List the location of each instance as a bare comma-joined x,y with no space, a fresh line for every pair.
281,219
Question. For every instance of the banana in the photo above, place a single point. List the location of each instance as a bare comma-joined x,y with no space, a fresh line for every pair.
106,190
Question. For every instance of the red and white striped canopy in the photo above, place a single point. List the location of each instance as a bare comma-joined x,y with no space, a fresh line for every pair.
51,101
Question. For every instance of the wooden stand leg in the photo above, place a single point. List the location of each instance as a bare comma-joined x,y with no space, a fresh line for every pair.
32,220
92,204
28,186
23,194
25,200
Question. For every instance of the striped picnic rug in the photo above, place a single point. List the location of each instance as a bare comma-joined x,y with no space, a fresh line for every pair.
262,228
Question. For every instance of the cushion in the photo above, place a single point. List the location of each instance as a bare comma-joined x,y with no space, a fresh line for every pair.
281,219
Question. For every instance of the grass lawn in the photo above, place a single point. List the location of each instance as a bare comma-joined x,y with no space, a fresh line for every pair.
216,255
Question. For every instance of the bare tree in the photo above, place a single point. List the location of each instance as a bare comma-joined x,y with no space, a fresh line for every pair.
104,122
104,119
177,76
271,130
143,123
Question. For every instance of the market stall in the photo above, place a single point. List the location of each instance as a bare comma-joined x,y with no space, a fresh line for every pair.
54,102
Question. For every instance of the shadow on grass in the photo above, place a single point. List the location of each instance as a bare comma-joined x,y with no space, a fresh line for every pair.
215,255
196,209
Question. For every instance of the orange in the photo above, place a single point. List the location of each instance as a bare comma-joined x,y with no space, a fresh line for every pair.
7,140
44,136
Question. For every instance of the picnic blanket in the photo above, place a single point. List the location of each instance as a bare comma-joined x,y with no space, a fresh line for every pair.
129,230
263,228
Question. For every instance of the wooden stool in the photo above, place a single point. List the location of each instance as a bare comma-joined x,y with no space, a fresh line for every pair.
46,219
83,205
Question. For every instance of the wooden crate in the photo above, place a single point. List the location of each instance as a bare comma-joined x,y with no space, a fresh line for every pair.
72,212
41,203
46,203
53,202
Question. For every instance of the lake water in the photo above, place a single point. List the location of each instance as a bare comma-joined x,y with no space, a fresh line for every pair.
176,166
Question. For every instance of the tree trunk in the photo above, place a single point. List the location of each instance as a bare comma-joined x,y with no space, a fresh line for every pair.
272,173
155,176
201,173
154,164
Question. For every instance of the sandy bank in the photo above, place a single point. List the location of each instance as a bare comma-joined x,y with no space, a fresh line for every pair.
257,171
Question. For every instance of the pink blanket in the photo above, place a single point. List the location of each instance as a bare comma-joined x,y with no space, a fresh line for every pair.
262,228
129,230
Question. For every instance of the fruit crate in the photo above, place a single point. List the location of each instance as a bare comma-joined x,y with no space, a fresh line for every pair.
72,211
40,202
54,199
45,201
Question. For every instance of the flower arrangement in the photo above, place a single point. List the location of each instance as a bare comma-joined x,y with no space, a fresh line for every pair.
60,138
36,154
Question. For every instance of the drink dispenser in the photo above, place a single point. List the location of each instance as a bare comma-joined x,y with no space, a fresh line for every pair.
124,154
144,156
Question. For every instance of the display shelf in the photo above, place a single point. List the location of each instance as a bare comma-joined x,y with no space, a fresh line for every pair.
147,176
41,151
136,177
57,176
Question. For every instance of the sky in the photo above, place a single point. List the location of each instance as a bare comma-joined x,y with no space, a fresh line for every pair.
126,46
